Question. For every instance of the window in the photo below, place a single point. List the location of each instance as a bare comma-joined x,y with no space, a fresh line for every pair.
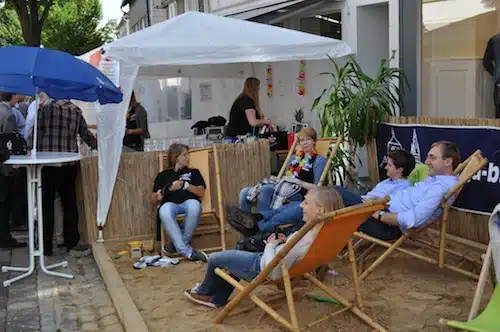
453,81
172,9
165,99
201,6
327,25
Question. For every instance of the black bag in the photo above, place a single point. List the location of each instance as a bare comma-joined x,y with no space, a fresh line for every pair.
281,142
253,243
14,143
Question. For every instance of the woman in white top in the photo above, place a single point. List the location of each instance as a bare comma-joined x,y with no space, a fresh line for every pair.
214,291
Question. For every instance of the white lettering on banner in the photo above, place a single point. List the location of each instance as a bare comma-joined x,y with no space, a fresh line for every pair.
492,174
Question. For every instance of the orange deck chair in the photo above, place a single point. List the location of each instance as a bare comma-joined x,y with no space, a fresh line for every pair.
335,233
466,170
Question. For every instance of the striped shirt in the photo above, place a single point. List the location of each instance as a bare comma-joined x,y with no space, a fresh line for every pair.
59,124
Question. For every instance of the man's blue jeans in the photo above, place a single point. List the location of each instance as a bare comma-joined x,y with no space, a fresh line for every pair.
263,199
288,214
181,238
240,264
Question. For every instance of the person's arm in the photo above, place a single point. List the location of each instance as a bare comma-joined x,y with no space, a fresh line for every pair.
197,185
85,133
422,212
252,118
489,57
142,118
10,124
318,168
157,196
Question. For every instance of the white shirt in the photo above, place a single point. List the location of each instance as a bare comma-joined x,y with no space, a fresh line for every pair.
295,254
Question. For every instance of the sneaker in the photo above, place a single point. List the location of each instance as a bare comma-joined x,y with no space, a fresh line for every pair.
168,248
198,255
202,299
80,250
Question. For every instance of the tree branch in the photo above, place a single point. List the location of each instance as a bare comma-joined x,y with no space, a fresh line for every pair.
45,13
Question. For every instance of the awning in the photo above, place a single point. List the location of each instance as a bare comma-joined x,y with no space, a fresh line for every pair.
248,14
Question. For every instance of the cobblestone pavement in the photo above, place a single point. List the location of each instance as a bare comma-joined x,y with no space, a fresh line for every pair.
49,304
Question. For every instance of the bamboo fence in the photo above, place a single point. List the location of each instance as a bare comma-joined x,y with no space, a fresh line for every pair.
466,225
131,213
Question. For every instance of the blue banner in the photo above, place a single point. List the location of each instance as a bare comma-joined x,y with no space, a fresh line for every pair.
482,193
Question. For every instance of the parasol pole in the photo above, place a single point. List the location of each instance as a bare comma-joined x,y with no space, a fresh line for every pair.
35,129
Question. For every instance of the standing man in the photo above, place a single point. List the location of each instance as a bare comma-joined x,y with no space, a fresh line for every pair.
7,126
59,124
491,62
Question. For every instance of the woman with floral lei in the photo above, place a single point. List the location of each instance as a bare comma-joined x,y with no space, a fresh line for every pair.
305,169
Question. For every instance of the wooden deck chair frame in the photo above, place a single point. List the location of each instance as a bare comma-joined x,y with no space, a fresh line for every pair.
199,158
466,170
336,231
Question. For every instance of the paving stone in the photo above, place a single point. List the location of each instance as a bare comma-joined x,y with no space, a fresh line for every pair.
90,327
48,304
108,321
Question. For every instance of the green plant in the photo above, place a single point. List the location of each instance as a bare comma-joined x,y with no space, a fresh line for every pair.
355,104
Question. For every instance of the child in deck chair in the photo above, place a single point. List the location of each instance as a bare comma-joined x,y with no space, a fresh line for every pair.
400,163
417,205
179,190
214,291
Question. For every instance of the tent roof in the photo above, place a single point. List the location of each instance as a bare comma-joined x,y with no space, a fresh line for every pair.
195,38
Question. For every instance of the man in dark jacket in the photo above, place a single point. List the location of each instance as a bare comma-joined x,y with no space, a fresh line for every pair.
7,126
491,62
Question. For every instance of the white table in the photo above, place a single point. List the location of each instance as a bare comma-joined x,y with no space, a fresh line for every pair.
34,165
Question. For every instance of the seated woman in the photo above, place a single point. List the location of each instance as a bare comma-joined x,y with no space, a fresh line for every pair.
179,190
304,169
214,291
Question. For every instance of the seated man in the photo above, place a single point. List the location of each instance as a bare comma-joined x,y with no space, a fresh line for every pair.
415,206
400,163
179,190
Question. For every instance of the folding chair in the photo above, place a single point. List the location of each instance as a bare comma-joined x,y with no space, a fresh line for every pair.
336,231
488,320
200,159
466,171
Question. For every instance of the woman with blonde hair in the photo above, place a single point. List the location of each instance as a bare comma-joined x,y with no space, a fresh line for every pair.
304,169
214,291
246,113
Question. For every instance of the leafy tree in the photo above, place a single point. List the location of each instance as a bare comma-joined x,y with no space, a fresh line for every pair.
32,15
72,26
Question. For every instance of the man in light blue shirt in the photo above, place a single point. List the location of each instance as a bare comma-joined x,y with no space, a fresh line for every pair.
419,204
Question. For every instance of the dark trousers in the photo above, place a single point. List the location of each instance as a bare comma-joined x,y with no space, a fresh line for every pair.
19,198
496,99
61,180
5,207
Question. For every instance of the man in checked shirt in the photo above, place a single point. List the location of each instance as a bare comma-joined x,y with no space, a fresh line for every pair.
59,124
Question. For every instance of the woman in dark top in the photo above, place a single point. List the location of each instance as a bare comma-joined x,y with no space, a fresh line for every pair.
245,113
179,190
137,125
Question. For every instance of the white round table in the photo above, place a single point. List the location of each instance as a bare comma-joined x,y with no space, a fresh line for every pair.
34,164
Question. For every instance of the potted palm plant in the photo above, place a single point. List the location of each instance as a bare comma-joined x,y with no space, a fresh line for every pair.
354,105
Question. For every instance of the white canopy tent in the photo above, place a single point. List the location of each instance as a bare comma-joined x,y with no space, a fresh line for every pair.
193,45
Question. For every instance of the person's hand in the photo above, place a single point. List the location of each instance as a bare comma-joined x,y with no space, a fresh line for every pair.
292,179
159,196
267,122
273,240
376,214
176,185
273,178
271,139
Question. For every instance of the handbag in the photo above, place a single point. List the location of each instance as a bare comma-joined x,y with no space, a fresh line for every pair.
14,143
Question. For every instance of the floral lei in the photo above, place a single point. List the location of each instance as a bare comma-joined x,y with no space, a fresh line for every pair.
301,162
